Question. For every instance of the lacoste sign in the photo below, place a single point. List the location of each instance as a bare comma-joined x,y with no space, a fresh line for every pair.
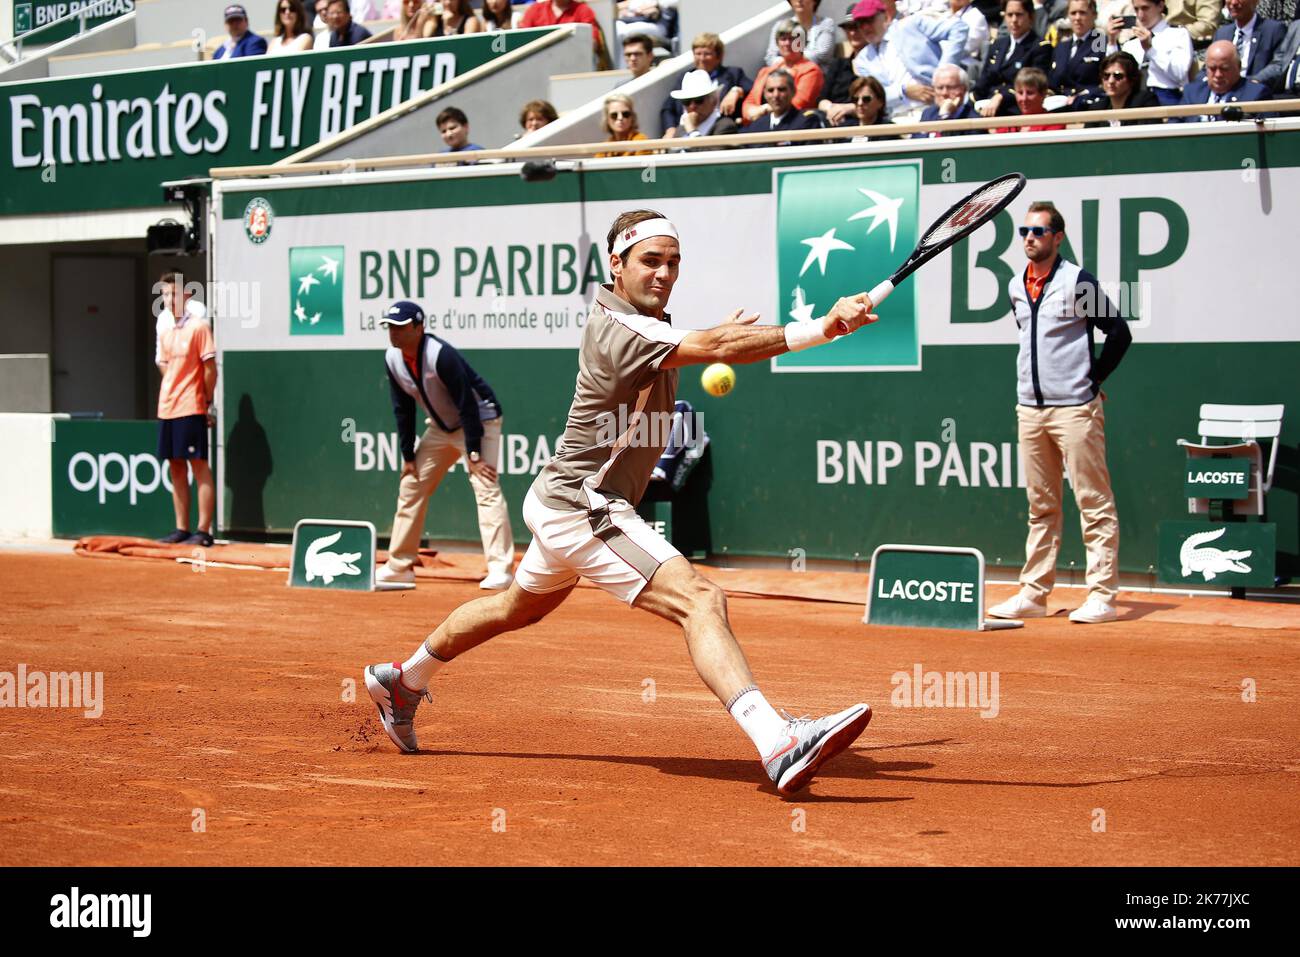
1217,478
1228,554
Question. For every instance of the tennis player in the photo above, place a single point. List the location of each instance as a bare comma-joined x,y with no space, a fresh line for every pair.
581,508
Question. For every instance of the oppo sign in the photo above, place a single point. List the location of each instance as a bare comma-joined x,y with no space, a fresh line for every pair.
112,472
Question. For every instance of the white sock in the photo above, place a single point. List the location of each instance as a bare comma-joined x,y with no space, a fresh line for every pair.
420,667
758,718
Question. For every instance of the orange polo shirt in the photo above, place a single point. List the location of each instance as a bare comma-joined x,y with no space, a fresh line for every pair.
808,82
184,347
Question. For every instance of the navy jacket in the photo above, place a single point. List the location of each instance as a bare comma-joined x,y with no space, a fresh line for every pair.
999,74
931,114
670,114
353,35
451,393
1139,99
1074,74
250,44
1198,91
794,120
1283,72
1263,42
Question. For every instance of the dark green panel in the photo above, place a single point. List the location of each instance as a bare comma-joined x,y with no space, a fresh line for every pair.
288,458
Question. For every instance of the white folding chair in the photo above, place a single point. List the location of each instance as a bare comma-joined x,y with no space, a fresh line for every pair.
1247,424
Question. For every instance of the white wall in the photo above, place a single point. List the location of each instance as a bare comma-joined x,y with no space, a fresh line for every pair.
25,480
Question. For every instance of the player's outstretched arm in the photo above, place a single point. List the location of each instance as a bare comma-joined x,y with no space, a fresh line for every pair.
738,341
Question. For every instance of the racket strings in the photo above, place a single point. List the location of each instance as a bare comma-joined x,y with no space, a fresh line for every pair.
971,213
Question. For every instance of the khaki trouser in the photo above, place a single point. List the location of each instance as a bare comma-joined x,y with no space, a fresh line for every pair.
435,453
1075,434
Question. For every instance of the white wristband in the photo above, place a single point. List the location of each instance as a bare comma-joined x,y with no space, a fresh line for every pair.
804,335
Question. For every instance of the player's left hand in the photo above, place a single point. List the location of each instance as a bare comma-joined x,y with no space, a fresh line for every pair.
848,315
740,319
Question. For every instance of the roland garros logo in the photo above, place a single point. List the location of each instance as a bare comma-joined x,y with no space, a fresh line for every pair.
258,217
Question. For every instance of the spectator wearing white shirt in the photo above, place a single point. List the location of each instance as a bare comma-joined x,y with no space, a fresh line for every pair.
498,16
1165,51
701,115
880,58
819,34
977,35
291,32
1256,38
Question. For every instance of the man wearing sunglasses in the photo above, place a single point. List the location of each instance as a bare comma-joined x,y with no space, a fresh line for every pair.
1058,306
701,115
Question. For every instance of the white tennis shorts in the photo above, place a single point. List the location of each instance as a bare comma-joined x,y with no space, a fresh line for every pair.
611,546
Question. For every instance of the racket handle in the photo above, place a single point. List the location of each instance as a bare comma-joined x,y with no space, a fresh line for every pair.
877,296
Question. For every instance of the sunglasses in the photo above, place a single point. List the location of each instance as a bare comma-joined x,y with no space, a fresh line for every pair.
620,114
1114,76
1037,231
869,98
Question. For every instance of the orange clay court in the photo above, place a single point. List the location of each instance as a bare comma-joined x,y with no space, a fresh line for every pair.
235,706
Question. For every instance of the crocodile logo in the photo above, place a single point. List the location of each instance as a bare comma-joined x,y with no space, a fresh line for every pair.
1210,561
329,565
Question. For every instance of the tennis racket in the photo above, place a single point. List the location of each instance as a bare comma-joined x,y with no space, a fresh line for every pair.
963,218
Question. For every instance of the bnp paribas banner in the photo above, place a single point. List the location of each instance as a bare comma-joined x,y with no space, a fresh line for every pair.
38,15
108,141
903,433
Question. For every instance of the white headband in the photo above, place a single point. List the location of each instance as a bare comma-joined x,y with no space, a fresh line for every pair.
643,230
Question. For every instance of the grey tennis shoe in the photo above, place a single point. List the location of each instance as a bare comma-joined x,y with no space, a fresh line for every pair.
396,704
811,742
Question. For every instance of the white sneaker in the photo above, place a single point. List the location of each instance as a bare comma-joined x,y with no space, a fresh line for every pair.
1018,606
1094,610
386,576
497,581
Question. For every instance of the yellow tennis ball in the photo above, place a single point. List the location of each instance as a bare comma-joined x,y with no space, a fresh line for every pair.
718,379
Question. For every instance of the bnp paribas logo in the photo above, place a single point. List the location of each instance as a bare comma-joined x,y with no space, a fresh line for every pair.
839,231
316,290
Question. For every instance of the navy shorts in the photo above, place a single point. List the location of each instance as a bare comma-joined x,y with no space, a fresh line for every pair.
183,438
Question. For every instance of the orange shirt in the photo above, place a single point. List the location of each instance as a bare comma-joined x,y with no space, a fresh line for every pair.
184,348
634,136
808,81
1033,283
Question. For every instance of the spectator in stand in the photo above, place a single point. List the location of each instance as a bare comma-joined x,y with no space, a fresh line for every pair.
733,85
1031,90
620,125
1165,51
838,76
414,21
818,38
536,114
291,29
868,98
1122,89
453,126
547,13
928,39
344,31
498,15
1282,75
1200,18
880,58
1110,9
1255,38
701,109
1076,61
951,101
977,34
457,18
242,41
805,75
1223,83
638,55
779,111
361,10
1013,50
656,19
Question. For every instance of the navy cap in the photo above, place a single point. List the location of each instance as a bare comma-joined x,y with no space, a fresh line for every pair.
402,313
236,11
